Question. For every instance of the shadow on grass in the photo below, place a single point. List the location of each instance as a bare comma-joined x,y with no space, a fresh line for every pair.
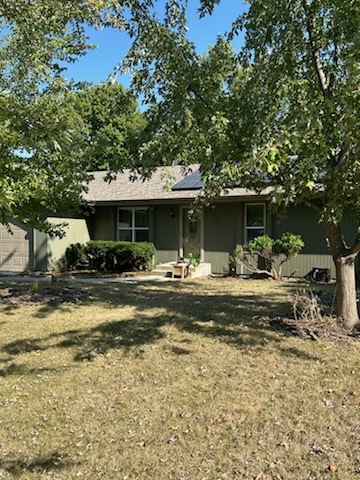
20,466
240,321
23,369
46,297
296,352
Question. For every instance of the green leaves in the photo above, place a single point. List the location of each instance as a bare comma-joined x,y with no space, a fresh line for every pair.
113,127
289,244
42,163
284,113
273,252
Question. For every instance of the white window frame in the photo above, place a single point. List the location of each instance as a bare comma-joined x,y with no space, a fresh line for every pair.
255,227
133,227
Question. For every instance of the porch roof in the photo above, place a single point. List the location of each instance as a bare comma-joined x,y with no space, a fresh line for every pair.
125,189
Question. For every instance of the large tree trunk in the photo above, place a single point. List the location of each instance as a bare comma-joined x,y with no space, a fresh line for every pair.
344,258
346,304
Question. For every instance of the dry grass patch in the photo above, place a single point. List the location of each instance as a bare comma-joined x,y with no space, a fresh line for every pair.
186,380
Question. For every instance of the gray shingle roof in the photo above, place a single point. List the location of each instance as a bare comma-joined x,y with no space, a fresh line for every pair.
123,189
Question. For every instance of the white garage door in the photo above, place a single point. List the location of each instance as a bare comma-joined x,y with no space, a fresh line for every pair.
14,249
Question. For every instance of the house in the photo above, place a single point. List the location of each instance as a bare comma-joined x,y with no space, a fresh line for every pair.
137,210
145,210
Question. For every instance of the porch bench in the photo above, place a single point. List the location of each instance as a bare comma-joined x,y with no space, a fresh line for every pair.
180,270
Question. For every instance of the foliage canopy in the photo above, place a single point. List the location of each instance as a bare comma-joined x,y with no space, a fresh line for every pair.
281,113
42,152
113,126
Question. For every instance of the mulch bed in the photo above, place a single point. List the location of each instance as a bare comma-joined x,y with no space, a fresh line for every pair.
315,327
314,330
49,295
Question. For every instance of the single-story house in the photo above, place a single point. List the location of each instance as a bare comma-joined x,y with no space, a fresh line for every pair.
136,210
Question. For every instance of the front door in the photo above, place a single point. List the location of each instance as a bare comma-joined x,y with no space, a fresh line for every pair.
191,237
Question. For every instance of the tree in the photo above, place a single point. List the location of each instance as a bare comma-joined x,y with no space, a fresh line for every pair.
36,175
42,147
273,253
114,127
284,112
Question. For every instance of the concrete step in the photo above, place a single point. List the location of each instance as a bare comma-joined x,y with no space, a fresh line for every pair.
165,269
161,272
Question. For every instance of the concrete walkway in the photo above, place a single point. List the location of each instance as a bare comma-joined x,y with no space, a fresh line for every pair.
31,278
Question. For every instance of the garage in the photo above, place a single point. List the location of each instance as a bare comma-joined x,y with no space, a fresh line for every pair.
14,248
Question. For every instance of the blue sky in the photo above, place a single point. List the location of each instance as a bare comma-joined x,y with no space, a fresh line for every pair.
112,45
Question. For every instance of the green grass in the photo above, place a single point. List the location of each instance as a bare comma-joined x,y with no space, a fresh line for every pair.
182,380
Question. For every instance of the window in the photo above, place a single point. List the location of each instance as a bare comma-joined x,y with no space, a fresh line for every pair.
133,224
254,221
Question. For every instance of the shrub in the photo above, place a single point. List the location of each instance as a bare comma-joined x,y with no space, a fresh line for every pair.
73,255
115,256
306,306
287,246
193,260
96,252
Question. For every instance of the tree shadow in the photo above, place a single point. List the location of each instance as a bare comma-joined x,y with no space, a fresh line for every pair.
47,309
296,352
13,369
46,297
239,321
19,466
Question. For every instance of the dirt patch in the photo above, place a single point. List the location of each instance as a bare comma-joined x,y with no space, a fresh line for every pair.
314,330
313,317
47,295
97,274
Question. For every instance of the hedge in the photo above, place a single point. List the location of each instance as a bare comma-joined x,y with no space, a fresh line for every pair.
111,256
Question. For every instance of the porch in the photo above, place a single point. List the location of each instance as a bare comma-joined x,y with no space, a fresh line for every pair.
169,269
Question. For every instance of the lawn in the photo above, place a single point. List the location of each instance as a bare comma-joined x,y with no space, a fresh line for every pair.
184,380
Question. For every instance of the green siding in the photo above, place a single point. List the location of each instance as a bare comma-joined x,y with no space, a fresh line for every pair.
40,251
223,230
163,229
75,231
350,228
103,226
305,221
166,232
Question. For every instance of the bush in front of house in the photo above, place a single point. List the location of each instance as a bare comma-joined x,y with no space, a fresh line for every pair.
113,256
74,255
273,252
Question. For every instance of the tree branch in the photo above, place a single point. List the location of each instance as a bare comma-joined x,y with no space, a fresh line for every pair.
338,246
315,50
344,154
254,269
355,249
310,204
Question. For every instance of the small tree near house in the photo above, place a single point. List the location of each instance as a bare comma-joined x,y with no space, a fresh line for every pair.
274,253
